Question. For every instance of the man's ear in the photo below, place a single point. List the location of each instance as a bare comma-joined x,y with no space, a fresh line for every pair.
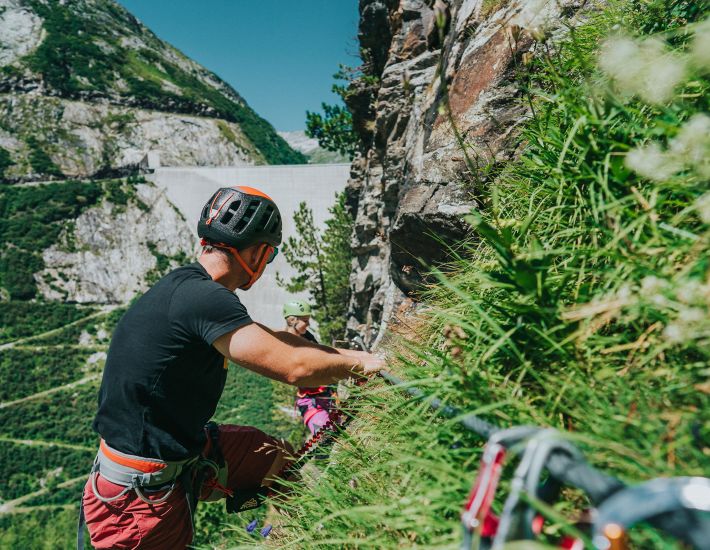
255,253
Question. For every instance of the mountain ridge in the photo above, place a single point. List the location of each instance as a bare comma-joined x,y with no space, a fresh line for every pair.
97,53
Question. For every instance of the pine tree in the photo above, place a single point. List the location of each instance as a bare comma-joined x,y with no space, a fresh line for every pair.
322,260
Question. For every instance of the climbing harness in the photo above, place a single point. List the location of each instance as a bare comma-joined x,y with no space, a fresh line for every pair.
480,527
310,401
477,518
148,475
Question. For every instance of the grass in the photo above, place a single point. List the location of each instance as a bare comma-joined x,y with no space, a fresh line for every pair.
580,303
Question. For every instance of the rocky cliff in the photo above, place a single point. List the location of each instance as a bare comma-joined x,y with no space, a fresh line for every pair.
86,89
432,69
110,252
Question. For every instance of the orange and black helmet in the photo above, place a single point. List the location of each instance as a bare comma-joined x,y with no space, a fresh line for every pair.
240,217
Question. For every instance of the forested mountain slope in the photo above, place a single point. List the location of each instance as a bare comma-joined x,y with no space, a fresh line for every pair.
86,89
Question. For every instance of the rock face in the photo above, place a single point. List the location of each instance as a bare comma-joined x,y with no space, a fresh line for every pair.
86,89
108,254
411,184
84,138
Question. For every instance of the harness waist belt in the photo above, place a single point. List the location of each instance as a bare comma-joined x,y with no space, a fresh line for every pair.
135,471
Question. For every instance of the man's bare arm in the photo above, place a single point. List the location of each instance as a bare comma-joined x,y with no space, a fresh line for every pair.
298,341
284,359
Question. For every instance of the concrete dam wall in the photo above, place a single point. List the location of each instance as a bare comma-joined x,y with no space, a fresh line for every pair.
317,184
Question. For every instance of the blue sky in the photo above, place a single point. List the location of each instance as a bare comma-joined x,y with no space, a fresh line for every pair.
280,55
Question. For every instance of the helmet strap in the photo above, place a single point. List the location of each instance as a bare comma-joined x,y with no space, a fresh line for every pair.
253,275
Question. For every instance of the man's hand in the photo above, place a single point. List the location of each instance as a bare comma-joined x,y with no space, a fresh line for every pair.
370,364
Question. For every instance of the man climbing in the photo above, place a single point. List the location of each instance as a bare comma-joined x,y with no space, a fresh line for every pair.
314,403
164,374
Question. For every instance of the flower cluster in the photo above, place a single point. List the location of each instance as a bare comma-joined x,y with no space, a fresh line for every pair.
691,305
690,149
650,69
684,301
700,47
702,206
647,68
537,17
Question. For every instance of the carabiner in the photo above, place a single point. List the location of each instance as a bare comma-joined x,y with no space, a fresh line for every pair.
516,519
476,515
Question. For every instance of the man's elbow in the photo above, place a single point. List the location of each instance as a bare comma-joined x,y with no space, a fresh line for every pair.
300,370
298,375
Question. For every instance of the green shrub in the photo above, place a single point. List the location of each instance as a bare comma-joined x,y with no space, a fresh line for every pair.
333,129
24,466
5,162
40,161
40,530
19,319
64,416
68,58
28,371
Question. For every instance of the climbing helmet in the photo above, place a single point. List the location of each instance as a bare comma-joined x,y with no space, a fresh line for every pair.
240,217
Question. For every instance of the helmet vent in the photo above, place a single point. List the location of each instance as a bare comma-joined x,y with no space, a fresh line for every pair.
229,214
246,218
277,222
265,218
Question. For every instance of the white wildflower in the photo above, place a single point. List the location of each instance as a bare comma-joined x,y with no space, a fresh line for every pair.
691,315
690,291
659,300
536,16
645,68
700,49
674,333
702,205
652,284
692,144
624,293
617,59
652,162
661,78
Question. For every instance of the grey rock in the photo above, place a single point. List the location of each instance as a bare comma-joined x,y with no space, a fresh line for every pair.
407,183
110,257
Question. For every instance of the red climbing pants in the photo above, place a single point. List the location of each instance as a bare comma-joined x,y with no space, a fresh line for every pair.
128,522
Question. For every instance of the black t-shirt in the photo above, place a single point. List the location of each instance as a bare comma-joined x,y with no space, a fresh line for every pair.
163,378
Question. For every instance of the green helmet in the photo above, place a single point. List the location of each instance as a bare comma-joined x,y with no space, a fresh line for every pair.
297,308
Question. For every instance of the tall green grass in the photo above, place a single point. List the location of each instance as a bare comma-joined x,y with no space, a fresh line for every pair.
580,302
